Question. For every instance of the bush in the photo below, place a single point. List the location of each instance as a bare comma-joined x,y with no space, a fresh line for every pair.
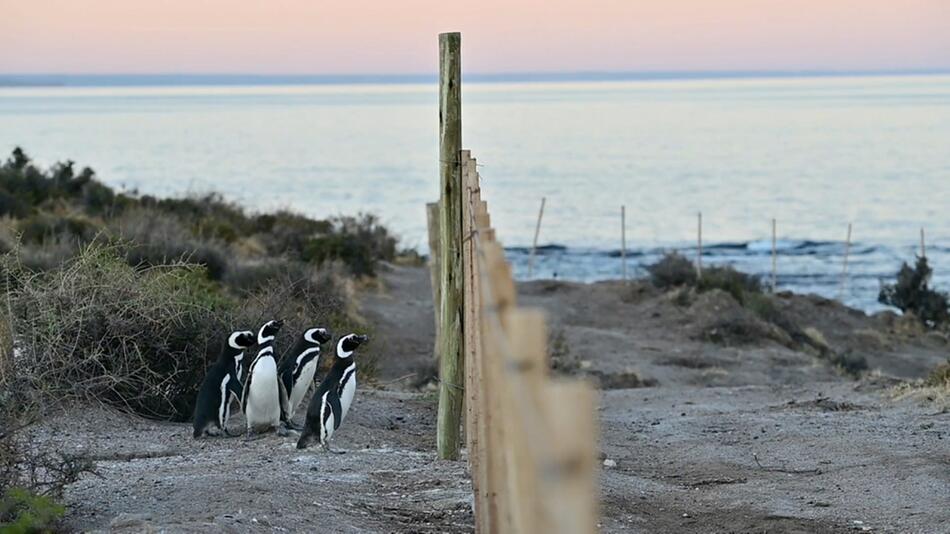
155,238
939,377
24,512
737,284
95,329
59,206
911,293
673,270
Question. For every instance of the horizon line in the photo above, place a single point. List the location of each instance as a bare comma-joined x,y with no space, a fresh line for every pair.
210,78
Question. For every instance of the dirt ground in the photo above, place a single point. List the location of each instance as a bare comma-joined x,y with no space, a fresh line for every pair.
706,427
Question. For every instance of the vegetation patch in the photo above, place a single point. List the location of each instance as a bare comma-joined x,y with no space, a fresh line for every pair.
56,211
911,293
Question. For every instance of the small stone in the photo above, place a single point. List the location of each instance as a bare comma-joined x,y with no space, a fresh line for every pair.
608,463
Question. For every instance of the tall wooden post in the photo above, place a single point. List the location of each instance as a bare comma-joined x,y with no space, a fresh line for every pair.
450,235
435,269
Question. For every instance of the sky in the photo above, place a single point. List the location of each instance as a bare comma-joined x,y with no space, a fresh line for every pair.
498,36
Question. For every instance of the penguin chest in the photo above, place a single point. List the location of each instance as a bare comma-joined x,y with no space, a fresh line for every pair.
302,384
263,399
347,390
327,419
224,405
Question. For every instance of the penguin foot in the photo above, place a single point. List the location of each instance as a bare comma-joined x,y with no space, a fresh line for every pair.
326,447
282,431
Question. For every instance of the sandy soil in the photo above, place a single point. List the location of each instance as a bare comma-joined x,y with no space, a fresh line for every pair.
755,432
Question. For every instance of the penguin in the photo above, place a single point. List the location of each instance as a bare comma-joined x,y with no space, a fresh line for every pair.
221,385
261,398
332,400
296,370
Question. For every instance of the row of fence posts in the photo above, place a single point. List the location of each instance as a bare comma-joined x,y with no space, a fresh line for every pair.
699,249
531,439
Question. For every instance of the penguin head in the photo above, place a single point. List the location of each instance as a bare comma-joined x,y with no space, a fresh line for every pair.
348,344
269,330
241,339
317,335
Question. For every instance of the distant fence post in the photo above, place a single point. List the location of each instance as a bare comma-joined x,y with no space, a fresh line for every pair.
623,240
923,246
435,269
844,268
450,220
534,244
773,255
699,244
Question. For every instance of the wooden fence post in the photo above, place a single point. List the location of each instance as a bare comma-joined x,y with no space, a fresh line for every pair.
844,267
623,240
774,254
534,244
699,244
571,493
451,365
435,269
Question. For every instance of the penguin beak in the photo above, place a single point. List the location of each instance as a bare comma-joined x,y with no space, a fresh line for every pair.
363,339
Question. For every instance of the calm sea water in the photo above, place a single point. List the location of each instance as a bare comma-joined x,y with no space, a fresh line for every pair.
814,153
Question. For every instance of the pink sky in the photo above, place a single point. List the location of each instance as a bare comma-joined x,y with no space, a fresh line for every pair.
399,36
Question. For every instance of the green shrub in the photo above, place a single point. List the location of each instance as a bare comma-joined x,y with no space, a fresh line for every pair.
205,229
673,270
41,228
911,293
22,512
737,284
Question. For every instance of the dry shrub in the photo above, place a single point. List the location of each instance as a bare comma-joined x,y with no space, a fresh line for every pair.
303,296
940,376
96,329
155,238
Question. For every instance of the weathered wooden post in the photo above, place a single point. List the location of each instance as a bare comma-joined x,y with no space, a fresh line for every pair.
450,236
435,269
623,240
534,244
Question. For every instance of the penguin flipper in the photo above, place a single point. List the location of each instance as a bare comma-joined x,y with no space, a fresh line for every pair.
336,408
284,390
236,389
247,386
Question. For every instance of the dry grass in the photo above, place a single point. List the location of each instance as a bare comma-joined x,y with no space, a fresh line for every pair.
934,389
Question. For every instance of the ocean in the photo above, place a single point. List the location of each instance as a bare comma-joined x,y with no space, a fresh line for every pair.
814,152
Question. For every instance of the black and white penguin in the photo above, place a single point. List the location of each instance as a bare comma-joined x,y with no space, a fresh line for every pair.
221,386
296,371
261,398
332,400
